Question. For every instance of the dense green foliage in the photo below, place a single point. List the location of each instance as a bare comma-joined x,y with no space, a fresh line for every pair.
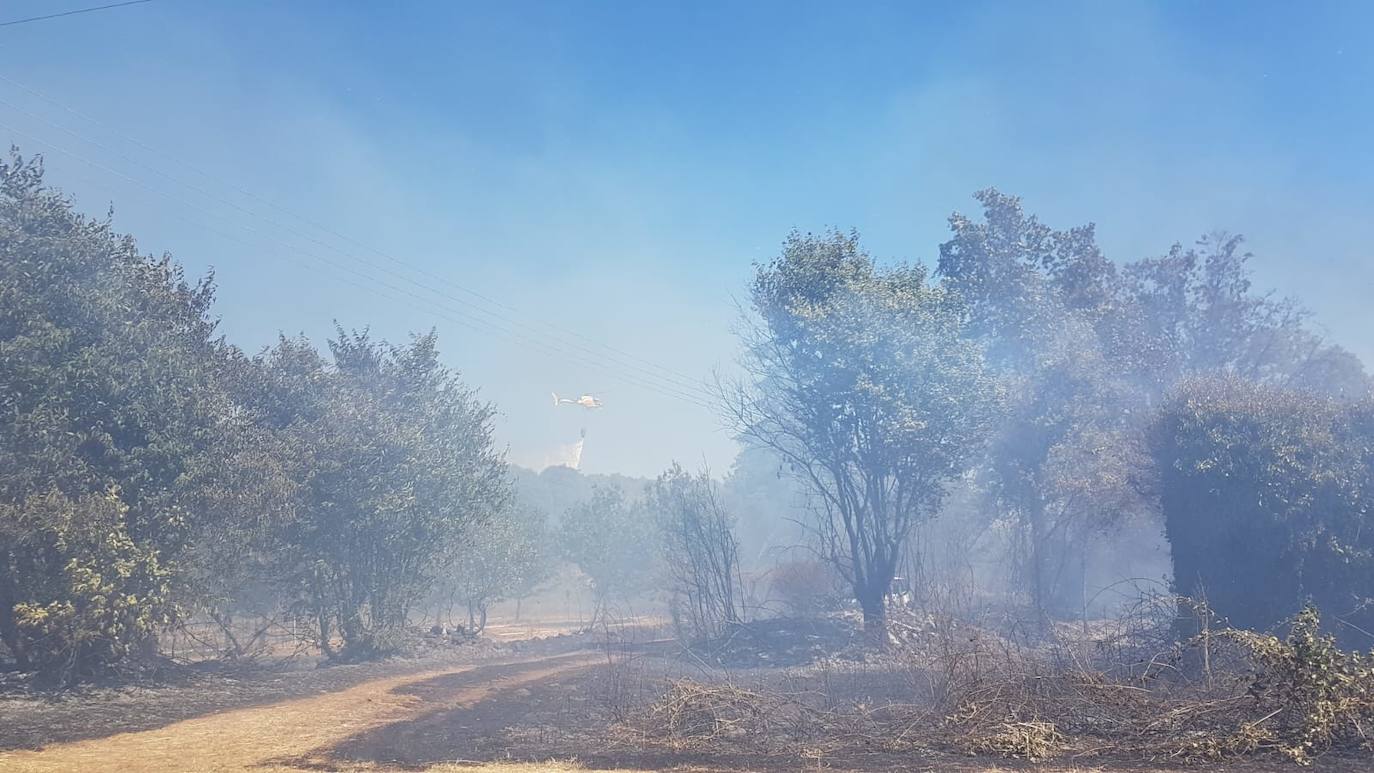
1086,349
110,392
1267,496
149,471
874,389
399,469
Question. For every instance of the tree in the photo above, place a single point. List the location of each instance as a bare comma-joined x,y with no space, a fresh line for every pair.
397,467
110,391
769,506
610,538
1194,312
1267,495
505,558
247,490
1062,463
89,595
863,381
1087,351
700,553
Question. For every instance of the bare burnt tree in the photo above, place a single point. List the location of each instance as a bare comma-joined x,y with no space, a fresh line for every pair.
701,555
861,380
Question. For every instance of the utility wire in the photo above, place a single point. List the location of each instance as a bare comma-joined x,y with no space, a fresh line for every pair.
72,13
680,386
444,312
665,373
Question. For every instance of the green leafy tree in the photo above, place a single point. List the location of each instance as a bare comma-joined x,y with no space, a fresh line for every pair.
506,558
1267,495
612,540
863,381
1195,311
241,565
396,467
1063,463
92,595
110,373
1086,353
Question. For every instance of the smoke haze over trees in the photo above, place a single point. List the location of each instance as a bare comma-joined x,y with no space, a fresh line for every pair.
1003,432
150,469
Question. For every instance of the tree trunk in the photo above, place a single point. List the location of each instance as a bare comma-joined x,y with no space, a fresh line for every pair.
1039,591
326,646
875,617
9,627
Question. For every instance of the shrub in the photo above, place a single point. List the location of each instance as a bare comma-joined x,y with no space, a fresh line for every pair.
1317,695
806,588
700,554
92,596
1266,494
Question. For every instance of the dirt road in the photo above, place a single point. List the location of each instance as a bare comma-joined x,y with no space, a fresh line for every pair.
297,734
456,718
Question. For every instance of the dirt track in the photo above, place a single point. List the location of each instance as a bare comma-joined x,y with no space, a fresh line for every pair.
295,734
451,718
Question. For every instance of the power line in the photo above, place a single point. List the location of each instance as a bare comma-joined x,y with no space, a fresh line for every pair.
437,309
72,13
639,363
679,385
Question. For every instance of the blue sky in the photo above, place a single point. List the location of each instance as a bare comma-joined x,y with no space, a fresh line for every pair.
610,171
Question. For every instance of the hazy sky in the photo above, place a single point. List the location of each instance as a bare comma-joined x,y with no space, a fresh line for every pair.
608,172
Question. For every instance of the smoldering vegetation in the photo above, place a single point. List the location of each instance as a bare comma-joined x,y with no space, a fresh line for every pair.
1029,502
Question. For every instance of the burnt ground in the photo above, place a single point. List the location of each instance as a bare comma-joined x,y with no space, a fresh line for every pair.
32,718
569,717
583,699
573,716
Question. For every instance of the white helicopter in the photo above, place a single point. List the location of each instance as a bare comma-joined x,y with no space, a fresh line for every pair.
585,401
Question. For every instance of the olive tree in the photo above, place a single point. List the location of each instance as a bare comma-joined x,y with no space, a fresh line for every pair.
506,558
863,381
1063,462
611,538
397,468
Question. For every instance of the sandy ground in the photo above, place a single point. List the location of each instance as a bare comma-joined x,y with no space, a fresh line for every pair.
289,735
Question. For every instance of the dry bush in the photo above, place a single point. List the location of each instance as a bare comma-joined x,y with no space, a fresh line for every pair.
1223,694
1315,696
806,588
1020,740
691,712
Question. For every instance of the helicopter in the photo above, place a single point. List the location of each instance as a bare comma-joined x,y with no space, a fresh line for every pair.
585,401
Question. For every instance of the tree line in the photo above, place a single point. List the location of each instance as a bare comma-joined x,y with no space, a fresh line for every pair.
148,469
152,473
1058,394
1028,386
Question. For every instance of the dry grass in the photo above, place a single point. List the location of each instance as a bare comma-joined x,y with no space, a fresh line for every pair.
1232,697
957,699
